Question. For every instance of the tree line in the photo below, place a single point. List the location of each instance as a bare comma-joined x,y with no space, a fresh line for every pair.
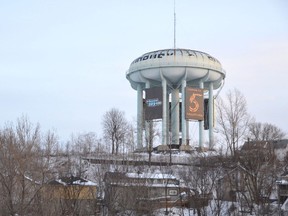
30,158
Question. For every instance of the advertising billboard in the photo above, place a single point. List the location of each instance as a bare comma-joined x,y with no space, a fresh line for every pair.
153,103
194,100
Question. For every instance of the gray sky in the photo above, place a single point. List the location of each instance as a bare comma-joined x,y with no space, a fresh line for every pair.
63,62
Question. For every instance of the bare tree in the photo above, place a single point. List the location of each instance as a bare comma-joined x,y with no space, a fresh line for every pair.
152,133
260,176
265,132
50,145
115,128
233,119
22,168
85,144
130,138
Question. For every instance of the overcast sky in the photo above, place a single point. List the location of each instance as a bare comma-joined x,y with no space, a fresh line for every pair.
63,62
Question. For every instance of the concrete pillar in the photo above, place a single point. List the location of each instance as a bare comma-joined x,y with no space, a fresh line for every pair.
139,116
168,141
147,124
187,132
175,116
211,115
183,120
201,123
165,113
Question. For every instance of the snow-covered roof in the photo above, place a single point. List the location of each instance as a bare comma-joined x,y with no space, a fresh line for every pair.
282,182
156,179
73,181
150,175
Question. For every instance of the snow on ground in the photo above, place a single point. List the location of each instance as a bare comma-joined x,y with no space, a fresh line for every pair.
96,172
225,208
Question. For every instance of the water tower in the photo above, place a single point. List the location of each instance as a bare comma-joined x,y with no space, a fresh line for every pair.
187,77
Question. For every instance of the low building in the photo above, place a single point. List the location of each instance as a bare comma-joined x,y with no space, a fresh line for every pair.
282,184
70,188
231,182
71,194
143,191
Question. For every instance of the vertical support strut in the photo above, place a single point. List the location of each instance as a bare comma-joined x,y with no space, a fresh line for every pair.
139,116
168,141
147,124
175,116
211,115
183,123
201,123
165,113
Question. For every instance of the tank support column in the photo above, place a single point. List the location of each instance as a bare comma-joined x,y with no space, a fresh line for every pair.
211,115
201,123
148,125
165,112
139,116
183,123
175,116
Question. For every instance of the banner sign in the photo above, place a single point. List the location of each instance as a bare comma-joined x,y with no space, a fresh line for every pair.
153,103
194,100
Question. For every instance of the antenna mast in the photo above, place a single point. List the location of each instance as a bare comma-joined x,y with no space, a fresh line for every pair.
174,25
